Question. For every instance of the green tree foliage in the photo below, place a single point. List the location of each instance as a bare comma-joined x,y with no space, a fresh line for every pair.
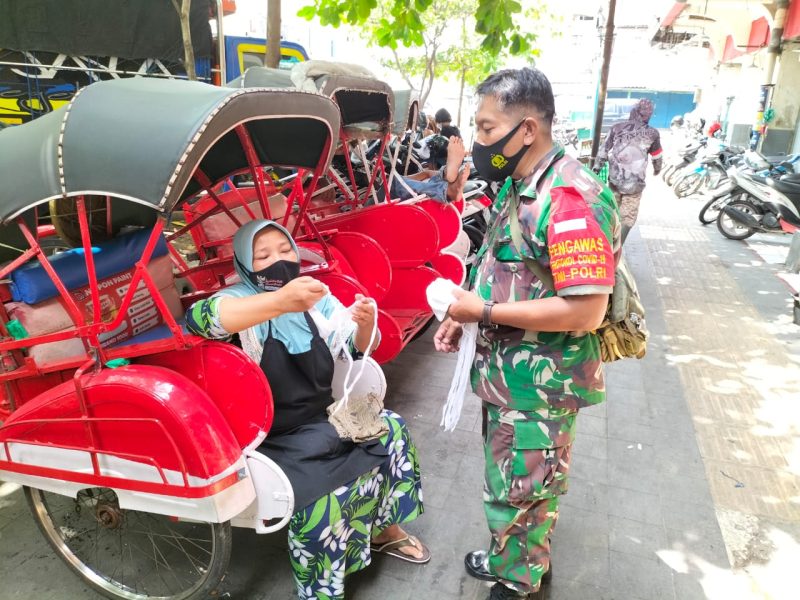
405,21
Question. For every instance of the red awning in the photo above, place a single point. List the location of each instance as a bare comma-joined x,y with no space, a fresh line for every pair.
759,35
731,51
791,29
673,13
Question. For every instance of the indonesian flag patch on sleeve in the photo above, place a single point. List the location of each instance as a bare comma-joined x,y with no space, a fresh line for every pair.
580,253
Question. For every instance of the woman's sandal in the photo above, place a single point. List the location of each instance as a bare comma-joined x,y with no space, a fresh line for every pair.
393,549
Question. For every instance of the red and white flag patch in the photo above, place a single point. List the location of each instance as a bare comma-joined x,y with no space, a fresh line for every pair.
580,253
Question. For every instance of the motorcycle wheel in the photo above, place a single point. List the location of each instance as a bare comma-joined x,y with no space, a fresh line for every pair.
710,211
688,185
132,555
475,241
734,230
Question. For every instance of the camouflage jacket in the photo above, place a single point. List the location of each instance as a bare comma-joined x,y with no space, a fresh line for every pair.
570,224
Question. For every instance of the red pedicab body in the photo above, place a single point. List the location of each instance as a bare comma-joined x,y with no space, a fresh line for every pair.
173,429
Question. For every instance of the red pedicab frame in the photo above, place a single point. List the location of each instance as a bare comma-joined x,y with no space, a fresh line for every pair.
181,382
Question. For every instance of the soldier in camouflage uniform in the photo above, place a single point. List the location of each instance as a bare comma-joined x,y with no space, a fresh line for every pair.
537,362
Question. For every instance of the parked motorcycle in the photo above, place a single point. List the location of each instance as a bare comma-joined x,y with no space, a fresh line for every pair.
750,163
685,157
771,206
709,172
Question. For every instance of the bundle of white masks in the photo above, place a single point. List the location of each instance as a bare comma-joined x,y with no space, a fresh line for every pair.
440,297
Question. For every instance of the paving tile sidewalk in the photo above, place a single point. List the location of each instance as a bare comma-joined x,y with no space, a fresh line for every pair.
689,468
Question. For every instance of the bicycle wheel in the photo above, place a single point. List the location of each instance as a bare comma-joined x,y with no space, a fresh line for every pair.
688,185
132,555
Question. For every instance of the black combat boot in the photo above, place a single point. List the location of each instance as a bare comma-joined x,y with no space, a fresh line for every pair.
477,565
501,592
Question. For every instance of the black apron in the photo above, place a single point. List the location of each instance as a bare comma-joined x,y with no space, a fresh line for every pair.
301,440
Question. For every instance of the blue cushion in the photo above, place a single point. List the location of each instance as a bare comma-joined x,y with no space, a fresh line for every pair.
31,283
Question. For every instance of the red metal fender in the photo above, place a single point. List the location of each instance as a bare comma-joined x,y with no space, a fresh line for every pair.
450,267
234,382
139,415
391,338
407,233
447,218
370,263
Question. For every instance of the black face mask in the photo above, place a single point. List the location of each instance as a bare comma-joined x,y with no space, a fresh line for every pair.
490,161
275,276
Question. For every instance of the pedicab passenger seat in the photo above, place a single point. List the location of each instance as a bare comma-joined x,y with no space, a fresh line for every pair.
38,308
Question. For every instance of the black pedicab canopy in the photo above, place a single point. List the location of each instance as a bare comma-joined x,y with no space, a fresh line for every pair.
142,140
364,102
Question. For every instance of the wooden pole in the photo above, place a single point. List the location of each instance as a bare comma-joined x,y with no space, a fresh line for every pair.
603,87
273,57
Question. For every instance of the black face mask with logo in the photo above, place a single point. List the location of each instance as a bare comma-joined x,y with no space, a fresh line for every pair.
275,276
490,161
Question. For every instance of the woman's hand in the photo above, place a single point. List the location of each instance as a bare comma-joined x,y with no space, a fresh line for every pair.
364,311
448,336
300,294
364,318
468,307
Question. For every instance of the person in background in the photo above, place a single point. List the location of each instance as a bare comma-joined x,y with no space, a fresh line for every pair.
444,123
444,185
537,362
626,149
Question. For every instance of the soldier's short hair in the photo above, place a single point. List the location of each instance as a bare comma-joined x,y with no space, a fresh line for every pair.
521,88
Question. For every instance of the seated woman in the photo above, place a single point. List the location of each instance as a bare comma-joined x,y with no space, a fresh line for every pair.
345,493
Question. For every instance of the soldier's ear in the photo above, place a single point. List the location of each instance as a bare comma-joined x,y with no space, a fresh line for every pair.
531,128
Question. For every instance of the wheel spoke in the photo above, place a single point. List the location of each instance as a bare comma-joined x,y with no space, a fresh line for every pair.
130,554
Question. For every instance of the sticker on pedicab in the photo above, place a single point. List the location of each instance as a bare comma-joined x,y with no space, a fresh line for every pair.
580,253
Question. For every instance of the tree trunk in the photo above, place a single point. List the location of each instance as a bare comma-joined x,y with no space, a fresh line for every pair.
273,57
602,88
184,10
461,95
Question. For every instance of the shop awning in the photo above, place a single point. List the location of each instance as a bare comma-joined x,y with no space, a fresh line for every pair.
759,35
791,29
731,52
673,13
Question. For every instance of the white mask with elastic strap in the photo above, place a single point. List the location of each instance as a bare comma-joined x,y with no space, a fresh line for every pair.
440,296
358,386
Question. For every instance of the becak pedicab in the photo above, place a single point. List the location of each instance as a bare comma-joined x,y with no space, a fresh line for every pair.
362,241
135,455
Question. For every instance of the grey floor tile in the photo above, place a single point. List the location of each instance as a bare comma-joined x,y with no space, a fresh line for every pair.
579,527
689,586
701,543
592,424
587,444
581,563
688,516
635,537
589,468
564,588
587,495
640,577
635,505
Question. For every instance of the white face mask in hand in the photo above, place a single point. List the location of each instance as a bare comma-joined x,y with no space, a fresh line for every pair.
358,385
440,296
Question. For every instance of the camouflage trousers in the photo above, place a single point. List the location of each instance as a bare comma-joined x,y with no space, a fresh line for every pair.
628,209
522,483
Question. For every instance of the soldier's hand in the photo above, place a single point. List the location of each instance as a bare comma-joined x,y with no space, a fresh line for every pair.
448,336
301,294
468,307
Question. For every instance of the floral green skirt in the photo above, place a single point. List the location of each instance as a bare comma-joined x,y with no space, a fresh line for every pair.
330,538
